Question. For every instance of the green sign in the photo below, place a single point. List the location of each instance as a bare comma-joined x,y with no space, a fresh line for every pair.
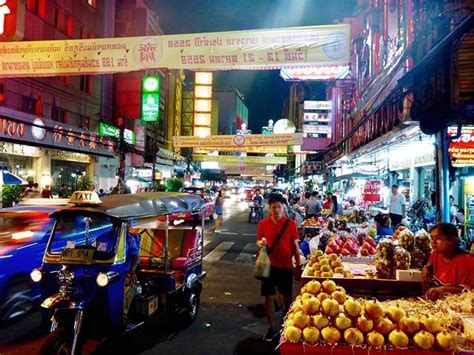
150,107
108,130
150,98
267,130
129,136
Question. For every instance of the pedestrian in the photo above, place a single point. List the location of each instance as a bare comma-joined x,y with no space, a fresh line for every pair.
46,193
62,193
336,207
397,208
312,205
280,235
101,193
218,209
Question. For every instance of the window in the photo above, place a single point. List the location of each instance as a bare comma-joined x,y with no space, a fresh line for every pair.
58,114
70,26
86,84
92,3
28,104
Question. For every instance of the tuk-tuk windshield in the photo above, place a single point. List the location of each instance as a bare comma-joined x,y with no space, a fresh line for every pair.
98,234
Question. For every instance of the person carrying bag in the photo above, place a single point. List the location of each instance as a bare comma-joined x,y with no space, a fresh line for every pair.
277,240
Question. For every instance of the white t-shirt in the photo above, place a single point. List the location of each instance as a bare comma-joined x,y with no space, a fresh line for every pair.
396,203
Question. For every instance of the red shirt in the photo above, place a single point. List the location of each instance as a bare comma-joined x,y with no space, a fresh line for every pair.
46,193
458,271
327,204
282,253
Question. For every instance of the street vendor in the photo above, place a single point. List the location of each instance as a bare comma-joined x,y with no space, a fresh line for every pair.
449,269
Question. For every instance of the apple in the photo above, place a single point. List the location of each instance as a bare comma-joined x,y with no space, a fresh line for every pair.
446,341
345,252
364,252
311,335
319,253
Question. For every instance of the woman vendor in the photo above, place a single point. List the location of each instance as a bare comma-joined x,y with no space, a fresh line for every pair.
449,269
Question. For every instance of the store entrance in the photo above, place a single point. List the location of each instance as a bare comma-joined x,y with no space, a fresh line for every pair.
66,173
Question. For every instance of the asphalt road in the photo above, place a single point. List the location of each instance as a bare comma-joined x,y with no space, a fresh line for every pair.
230,320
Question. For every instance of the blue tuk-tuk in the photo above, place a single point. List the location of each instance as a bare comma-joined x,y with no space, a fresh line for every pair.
85,276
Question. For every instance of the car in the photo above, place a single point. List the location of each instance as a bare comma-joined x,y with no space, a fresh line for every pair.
24,232
209,202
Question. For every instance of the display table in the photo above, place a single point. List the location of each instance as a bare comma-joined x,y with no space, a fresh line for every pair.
299,348
360,286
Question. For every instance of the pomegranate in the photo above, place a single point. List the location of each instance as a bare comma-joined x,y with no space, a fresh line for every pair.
292,334
375,339
311,335
330,335
395,314
424,340
322,296
339,296
311,305
374,310
384,326
301,320
364,324
352,307
398,339
330,307
329,286
313,287
409,325
446,341
320,321
342,322
353,336
431,324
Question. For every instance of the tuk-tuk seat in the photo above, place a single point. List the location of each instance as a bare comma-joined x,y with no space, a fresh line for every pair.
181,244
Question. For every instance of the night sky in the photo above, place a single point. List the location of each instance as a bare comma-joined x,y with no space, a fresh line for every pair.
264,91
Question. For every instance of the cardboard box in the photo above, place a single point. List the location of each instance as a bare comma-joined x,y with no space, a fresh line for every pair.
408,275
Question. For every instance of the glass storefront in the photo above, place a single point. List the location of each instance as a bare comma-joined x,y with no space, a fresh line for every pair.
19,165
67,173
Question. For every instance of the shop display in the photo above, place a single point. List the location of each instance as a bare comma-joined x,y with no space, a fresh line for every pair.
406,325
323,265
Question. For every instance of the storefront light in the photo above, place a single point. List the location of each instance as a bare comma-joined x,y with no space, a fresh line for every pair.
201,91
202,119
202,131
203,78
202,105
45,180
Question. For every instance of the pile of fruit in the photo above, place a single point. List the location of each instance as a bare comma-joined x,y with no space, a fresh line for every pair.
313,222
320,265
347,244
323,313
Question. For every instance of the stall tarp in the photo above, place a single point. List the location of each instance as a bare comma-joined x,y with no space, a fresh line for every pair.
254,49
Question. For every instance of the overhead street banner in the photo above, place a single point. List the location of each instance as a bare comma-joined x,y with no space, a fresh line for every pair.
247,170
239,141
255,49
243,160
246,149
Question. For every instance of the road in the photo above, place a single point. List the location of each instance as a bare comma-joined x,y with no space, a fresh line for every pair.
230,319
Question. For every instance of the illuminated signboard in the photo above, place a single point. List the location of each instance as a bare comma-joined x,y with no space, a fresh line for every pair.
12,20
150,98
108,130
129,136
317,105
316,117
461,150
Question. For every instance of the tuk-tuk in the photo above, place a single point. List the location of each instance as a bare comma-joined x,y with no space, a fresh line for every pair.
85,275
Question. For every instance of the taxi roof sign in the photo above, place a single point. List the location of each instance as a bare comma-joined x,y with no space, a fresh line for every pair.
85,198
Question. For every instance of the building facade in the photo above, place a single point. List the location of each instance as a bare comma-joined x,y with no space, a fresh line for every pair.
232,111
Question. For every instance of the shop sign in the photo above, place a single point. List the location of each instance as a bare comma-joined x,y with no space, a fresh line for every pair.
69,156
255,140
12,20
24,128
246,149
108,130
317,117
19,149
256,49
150,107
312,167
317,105
372,191
267,130
461,150
129,136
317,129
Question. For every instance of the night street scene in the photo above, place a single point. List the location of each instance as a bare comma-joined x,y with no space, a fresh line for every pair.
236,177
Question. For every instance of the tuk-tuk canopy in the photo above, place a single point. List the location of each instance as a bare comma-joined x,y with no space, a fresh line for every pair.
141,205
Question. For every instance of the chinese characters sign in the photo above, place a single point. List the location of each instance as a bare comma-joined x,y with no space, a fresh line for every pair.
258,49
23,128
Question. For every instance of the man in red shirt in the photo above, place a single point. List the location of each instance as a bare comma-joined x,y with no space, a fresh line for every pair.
449,268
281,255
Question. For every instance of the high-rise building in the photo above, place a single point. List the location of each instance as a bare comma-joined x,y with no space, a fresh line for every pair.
232,111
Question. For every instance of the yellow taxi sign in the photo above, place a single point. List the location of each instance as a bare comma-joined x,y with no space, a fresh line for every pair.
85,198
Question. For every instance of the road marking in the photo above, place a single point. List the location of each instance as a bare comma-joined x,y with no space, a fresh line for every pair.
219,251
247,254
227,233
249,234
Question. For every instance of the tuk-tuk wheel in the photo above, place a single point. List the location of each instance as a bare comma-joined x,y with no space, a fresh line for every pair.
57,342
192,303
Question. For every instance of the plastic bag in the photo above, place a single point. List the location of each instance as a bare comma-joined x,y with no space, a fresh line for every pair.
262,265
314,245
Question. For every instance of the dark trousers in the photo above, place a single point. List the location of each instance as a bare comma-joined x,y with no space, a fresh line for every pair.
396,219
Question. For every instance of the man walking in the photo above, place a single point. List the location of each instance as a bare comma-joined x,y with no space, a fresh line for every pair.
397,206
280,235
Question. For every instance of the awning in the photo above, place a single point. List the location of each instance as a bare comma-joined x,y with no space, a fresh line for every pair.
11,179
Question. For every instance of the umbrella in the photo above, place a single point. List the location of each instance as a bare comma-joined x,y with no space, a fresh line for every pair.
8,178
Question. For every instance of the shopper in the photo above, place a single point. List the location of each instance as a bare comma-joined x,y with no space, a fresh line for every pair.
46,193
336,207
449,269
281,251
219,205
397,206
313,205
383,224
327,205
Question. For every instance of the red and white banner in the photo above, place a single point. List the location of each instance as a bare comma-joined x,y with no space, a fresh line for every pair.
372,191
461,150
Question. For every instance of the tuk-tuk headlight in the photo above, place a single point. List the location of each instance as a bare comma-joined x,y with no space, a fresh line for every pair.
65,277
103,279
36,275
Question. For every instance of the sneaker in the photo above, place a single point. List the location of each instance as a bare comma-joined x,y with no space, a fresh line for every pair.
270,335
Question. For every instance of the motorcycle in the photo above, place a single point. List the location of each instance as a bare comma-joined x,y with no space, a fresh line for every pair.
256,212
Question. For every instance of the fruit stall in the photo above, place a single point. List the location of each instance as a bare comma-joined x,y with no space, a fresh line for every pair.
325,319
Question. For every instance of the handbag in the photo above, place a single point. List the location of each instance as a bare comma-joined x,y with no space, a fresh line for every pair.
263,265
